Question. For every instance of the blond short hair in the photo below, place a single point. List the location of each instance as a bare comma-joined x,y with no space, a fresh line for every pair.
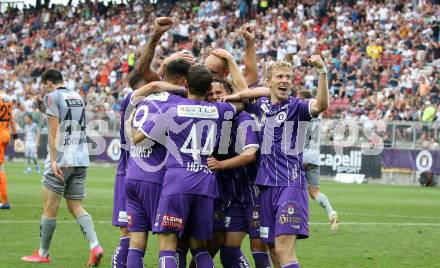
277,65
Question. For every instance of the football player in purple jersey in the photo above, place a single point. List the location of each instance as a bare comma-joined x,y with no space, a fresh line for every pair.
145,167
140,76
281,177
187,199
236,176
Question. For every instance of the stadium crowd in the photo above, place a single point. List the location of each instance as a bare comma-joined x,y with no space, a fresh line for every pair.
383,59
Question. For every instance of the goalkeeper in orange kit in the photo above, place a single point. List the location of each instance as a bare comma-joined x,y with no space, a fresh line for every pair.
7,124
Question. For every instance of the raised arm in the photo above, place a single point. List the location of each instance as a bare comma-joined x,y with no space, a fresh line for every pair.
320,104
161,25
250,55
237,78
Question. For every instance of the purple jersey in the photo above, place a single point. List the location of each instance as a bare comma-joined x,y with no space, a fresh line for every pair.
146,159
281,139
122,165
240,182
192,136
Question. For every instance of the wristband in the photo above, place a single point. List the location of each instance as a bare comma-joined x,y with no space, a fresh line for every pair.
14,136
322,70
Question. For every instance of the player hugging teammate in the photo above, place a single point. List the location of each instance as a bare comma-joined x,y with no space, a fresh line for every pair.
202,173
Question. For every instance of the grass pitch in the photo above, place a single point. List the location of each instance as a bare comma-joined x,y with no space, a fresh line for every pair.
381,226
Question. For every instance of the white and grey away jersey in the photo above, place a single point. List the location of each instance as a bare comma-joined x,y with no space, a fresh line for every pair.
31,133
311,152
69,107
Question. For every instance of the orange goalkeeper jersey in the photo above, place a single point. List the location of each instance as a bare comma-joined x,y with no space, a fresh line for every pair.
5,117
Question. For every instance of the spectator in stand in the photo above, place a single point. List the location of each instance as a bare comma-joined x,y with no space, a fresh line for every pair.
368,46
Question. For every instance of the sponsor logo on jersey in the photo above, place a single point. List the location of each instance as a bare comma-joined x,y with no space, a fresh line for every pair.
264,232
291,210
284,218
227,221
255,214
74,103
281,117
68,96
265,107
197,111
122,217
288,213
349,163
163,96
172,221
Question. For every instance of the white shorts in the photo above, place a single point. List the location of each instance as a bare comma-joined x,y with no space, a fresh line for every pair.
30,150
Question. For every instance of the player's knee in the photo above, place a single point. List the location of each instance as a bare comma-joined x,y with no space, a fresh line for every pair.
138,240
196,244
124,231
285,250
75,208
313,191
220,236
258,246
233,240
272,253
51,210
167,241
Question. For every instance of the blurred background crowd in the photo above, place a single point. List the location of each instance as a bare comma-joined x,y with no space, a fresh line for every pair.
383,57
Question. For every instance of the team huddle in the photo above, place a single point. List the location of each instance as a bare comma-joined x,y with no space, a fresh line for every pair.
205,160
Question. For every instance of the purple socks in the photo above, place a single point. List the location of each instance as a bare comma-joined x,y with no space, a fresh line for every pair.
119,257
261,259
233,258
135,258
181,257
292,265
167,259
202,258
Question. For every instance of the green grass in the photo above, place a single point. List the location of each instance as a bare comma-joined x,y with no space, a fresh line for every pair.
382,226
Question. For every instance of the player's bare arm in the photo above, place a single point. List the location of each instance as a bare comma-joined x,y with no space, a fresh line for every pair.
161,25
238,79
53,123
136,135
155,87
13,125
250,94
248,156
250,54
320,104
18,144
178,55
